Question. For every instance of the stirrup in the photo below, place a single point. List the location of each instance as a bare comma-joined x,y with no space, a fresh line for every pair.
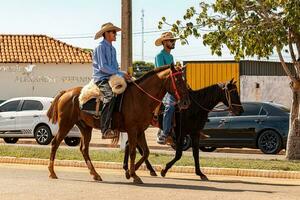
154,122
169,140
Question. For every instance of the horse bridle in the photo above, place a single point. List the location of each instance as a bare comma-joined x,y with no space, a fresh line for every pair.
228,98
173,81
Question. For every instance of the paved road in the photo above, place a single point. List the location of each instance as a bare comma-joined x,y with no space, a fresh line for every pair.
31,182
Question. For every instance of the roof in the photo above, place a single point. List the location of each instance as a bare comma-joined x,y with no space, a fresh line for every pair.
39,49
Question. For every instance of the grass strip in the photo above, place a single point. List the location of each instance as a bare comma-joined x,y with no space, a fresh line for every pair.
155,158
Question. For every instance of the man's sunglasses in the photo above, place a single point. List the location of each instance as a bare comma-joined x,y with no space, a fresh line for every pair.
172,41
114,32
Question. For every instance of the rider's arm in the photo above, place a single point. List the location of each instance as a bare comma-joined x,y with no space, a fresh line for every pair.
159,60
101,59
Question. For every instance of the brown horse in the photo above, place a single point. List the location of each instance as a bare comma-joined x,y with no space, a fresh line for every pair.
139,101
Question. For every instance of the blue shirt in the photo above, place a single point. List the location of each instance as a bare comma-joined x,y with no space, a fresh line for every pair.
163,58
105,62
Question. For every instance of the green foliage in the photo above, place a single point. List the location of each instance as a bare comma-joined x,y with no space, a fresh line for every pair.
246,27
141,67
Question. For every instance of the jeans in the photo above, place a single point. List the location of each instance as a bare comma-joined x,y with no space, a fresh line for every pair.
169,101
108,105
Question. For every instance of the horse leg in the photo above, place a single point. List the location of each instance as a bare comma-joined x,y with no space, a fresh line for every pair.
177,157
63,130
195,146
86,133
125,161
148,164
142,143
132,139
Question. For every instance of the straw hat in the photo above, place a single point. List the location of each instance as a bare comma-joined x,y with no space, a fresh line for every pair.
106,27
165,36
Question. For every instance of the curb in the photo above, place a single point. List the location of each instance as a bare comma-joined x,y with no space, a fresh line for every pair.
176,169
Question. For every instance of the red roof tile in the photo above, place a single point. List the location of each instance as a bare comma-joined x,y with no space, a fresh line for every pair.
39,49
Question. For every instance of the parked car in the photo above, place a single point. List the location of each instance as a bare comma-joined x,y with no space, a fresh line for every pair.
25,117
263,125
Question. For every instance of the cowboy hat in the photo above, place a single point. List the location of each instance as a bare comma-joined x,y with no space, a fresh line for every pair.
165,36
106,27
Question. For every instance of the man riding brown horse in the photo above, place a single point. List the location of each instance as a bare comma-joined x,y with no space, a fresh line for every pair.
104,66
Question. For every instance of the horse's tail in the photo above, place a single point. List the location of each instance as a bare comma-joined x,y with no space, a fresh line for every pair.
115,140
52,112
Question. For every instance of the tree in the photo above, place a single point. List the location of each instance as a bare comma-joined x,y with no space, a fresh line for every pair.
141,67
251,28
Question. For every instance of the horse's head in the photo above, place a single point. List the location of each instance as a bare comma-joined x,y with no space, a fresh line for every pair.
178,88
231,98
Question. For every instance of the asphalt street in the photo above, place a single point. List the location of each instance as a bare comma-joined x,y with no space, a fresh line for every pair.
32,182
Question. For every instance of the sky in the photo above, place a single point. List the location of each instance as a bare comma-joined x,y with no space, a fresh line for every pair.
76,22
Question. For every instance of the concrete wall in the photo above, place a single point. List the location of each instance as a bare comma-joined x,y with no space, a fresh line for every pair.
270,88
41,79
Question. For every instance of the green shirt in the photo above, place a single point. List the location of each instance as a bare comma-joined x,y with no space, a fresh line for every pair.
163,58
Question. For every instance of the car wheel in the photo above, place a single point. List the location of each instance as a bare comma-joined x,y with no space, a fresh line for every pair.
186,143
72,141
11,140
269,142
43,135
207,149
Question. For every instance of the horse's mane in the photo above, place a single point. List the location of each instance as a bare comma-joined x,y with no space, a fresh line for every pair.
207,95
150,73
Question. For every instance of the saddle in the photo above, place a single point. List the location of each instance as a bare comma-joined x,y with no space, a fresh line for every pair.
91,98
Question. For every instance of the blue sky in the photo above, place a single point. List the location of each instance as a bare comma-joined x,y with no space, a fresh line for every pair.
67,20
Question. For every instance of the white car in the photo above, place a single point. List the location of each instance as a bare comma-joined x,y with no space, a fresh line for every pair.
26,117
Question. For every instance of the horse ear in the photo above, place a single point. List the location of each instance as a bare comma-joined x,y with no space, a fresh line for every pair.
221,85
231,81
234,82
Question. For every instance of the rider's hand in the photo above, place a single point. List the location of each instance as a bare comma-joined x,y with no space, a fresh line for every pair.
127,76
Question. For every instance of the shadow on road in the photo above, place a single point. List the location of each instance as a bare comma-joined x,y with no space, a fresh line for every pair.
170,186
229,181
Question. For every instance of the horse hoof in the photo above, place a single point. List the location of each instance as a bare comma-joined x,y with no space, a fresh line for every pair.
203,177
137,180
127,175
97,178
163,173
53,176
153,173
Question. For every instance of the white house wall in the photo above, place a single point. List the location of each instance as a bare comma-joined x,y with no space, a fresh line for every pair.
271,88
41,79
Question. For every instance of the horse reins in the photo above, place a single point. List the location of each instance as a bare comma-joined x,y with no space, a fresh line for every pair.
172,75
228,98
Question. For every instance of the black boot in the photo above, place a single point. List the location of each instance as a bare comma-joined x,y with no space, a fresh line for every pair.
106,116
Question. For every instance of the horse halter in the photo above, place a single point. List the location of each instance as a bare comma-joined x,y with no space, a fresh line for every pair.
228,98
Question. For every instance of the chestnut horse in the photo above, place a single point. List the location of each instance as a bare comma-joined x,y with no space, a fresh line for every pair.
139,101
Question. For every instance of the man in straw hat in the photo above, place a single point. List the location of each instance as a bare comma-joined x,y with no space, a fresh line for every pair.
167,40
104,66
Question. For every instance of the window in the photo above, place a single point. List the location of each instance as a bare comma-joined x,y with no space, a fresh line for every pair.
263,111
251,109
219,114
32,105
10,106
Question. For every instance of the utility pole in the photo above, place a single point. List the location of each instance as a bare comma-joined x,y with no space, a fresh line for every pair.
126,48
142,19
126,42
